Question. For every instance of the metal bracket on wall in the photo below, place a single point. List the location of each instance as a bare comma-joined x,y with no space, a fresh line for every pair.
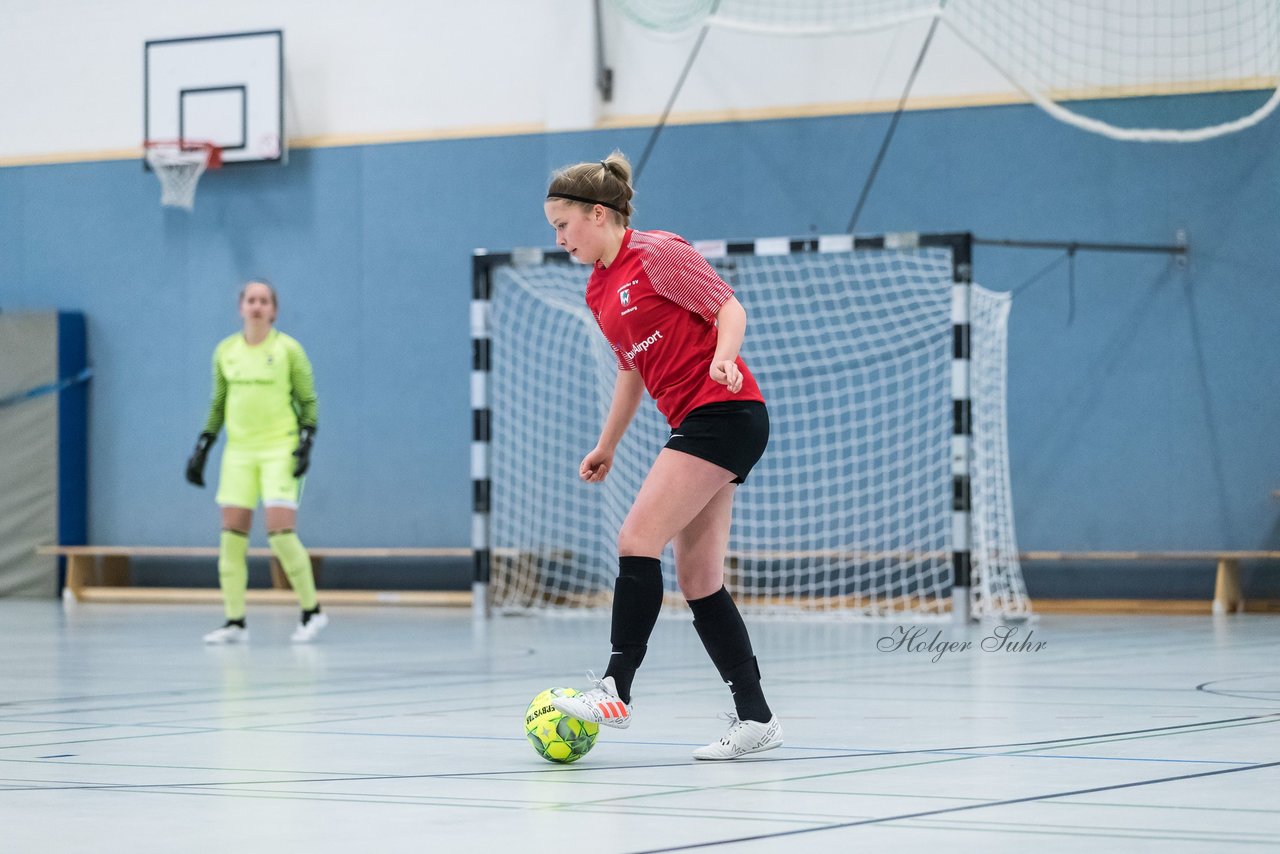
604,74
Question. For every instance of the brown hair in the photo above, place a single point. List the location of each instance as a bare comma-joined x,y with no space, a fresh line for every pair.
602,182
275,302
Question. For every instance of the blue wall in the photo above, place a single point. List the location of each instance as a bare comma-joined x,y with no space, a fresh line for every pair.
1143,405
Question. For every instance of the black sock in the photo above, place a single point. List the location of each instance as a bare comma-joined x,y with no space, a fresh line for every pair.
723,633
239,622
308,614
637,599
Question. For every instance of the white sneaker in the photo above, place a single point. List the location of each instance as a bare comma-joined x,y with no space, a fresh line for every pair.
600,705
742,738
306,632
228,634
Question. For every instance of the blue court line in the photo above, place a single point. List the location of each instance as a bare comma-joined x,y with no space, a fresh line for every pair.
1108,758
580,769
967,750
942,751
956,809
949,752
469,802
210,696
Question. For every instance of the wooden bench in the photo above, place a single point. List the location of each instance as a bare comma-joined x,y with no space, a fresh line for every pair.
101,574
1227,596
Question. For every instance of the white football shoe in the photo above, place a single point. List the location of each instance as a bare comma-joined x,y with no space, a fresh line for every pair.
600,705
743,737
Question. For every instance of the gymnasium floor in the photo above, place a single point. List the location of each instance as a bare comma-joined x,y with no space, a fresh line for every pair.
401,730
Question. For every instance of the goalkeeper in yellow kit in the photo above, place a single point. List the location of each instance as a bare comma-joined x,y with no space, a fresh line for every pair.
264,394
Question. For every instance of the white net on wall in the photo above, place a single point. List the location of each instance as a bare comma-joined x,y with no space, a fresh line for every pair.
848,513
795,17
1062,53
1059,52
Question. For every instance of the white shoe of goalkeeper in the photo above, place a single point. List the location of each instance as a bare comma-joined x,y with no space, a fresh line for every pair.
230,633
600,705
306,632
742,738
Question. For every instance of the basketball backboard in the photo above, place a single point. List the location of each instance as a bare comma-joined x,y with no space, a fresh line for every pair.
226,89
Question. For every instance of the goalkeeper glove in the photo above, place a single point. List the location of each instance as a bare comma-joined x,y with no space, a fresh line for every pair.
306,435
195,465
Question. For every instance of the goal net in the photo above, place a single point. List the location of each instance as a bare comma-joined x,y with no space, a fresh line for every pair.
851,511
1073,58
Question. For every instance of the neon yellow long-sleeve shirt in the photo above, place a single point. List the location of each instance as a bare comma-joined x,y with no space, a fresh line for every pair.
263,392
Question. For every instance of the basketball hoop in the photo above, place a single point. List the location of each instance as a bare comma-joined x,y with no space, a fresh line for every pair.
179,165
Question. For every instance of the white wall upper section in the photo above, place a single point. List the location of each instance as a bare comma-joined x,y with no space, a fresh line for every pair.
404,69
378,70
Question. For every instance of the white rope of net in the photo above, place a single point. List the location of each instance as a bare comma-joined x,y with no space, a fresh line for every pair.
1053,52
1079,50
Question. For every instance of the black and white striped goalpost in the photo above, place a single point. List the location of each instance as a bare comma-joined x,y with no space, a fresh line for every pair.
481,427
962,426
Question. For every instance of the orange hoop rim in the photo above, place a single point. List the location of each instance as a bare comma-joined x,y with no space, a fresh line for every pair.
213,154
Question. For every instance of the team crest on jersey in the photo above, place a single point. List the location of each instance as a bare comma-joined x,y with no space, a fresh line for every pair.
624,292
270,361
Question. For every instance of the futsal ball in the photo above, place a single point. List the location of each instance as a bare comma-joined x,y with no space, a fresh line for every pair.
556,736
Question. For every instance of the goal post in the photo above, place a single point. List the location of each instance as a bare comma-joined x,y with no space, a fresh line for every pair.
884,491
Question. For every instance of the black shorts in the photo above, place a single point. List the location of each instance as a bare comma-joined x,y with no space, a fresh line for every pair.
730,434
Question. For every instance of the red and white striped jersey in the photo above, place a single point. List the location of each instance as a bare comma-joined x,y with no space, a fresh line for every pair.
656,305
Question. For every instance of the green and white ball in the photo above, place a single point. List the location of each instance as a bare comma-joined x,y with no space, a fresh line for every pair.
556,736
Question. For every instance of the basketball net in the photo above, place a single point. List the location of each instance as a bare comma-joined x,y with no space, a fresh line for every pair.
179,164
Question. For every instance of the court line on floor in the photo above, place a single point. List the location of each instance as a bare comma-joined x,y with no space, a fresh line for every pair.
955,754
957,809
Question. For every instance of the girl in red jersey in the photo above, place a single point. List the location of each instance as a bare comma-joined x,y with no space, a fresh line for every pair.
675,328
